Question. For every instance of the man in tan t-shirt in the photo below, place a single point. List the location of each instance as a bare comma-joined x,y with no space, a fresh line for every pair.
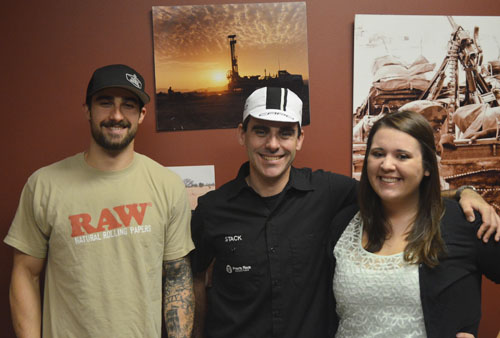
106,223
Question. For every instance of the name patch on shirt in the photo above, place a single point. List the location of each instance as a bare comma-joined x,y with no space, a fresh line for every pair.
235,238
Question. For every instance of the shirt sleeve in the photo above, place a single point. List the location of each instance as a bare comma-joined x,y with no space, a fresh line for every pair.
344,189
489,258
178,241
485,256
27,233
202,255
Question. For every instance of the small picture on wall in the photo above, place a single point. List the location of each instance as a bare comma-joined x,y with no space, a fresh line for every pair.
446,68
209,58
198,180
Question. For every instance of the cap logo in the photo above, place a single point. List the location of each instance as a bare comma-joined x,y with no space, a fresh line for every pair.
133,79
267,113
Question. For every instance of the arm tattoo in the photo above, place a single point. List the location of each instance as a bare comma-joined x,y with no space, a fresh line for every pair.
178,299
172,320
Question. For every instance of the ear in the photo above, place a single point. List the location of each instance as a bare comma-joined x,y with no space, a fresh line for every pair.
86,111
300,139
427,173
142,114
241,134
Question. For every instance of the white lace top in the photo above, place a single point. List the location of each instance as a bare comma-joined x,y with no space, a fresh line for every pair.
377,296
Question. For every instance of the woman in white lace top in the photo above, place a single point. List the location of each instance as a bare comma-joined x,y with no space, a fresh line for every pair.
407,264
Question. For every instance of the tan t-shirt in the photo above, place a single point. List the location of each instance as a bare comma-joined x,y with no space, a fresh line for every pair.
104,235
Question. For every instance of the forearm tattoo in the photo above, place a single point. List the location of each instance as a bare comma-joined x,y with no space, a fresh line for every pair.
178,298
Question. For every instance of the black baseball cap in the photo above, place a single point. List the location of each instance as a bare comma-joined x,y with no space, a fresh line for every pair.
121,76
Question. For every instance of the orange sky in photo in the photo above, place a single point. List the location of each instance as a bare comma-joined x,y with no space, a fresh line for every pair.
192,52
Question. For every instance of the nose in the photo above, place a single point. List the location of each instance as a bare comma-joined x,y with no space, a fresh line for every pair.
387,163
116,113
272,143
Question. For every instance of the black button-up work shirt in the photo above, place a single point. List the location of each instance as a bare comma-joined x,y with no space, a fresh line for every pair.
270,276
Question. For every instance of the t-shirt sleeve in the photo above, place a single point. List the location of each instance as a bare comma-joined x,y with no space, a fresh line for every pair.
27,232
178,242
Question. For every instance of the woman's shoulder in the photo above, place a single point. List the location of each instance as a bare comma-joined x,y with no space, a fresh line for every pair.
454,218
453,211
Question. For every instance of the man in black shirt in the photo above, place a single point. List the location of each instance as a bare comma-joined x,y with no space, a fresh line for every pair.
260,238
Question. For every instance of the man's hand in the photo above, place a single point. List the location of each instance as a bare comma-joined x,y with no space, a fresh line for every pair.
464,335
178,298
470,201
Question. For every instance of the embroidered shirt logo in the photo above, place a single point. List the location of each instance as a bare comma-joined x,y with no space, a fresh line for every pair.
245,268
235,238
133,79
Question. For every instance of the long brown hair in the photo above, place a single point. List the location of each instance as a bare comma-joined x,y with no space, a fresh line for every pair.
425,244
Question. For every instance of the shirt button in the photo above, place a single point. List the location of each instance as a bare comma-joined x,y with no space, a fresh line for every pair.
273,250
276,313
276,282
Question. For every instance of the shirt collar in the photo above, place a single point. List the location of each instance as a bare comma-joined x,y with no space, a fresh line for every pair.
296,181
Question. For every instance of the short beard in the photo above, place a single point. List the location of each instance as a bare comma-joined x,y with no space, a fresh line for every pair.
107,144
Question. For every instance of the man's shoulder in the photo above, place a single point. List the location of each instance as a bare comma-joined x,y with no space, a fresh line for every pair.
61,167
64,163
156,169
341,221
147,161
321,176
344,216
223,192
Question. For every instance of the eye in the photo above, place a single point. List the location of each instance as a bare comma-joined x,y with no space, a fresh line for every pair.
259,132
403,156
130,104
287,133
376,153
105,103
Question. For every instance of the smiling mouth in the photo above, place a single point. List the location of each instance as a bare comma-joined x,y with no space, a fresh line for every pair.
389,179
115,125
271,158
116,130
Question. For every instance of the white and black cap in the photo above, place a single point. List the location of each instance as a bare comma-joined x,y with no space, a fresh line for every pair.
274,104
